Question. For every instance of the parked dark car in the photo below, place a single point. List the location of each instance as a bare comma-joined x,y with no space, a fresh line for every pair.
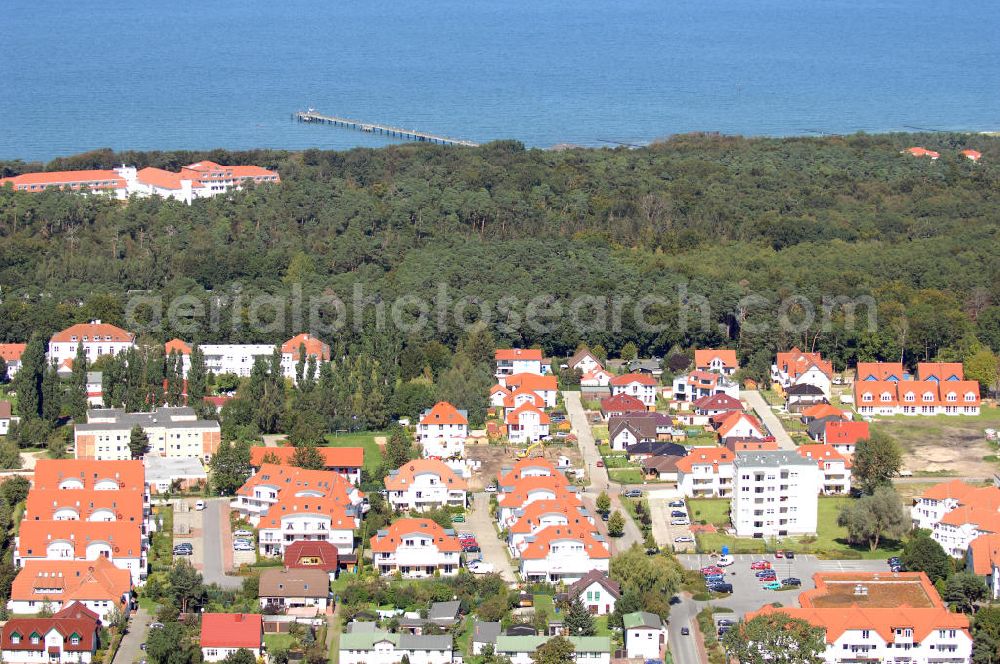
604,516
789,554
721,587
633,493
791,581
685,631
678,514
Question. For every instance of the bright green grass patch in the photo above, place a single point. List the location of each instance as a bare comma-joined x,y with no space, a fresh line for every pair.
365,439
279,641
626,475
709,510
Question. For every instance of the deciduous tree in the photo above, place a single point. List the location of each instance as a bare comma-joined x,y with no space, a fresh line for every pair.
877,460
872,517
775,638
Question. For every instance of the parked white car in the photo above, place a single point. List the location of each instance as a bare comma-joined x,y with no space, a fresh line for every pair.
725,561
480,567
243,533
680,522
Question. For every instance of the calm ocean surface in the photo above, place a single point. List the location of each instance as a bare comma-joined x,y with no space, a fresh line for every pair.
183,74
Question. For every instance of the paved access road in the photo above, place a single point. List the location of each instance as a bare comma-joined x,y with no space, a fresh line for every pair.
215,540
129,651
663,532
599,480
685,648
768,418
480,523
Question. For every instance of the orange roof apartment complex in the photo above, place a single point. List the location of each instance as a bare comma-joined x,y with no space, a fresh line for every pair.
939,388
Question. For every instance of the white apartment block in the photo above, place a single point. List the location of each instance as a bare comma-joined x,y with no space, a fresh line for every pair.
527,424
563,554
774,494
706,472
97,339
641,386
957,514
519,360
173,433
442,431
416,548
424,484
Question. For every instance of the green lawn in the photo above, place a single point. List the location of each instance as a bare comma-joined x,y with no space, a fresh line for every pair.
545,604
830,540
279,641
600,431
464,637
626,475
709,510
601,626
365,439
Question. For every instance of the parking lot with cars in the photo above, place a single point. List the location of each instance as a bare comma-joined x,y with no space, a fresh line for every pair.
750,591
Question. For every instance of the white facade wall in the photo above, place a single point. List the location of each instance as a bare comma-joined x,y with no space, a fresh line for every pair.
644,393
442,440
427,491
771,501
645,642
938,647
219,654
304,527
927,513
598,600
707,481
567,561
385,652
416,558
61,351
234,358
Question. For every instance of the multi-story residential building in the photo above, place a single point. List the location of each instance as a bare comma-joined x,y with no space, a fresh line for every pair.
645,635
69,636
800,368
844,435
739,425
222,634
96,584
872,617
518,397
374,646
596,378
416,548
978,515
834,467
104,182
172,432
940,388
634,428
545,386
345,461
442,431
239,359
563,554
774,494
698,383
721,361
518,360
638,385
540,514
84,510
586,649
524,468
931,506
290,504
527,424
706,472
11,354
424,484
597,592
528,490
291,350
983,559
97,339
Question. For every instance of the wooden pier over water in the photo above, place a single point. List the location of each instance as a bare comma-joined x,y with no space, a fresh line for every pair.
386,130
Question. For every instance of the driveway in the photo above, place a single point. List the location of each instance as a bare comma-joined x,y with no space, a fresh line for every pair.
599,480
480,523
216,544
768,418
663,532
748,594
129,651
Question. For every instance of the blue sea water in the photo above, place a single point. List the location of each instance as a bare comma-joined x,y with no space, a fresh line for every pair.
129,74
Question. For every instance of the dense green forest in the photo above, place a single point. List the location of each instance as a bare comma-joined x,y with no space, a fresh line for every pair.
696,216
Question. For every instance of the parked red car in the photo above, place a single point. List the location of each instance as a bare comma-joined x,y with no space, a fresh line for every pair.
779,554
708,571
760,564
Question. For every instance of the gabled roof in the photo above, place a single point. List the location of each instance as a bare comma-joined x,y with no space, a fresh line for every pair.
35,537
974,155
5,410
880,371
68,178
511,354
581,355
629,378
921,152
176,346
402,478
83,580
593,544
642,619
622,403
840,432
529,518
701,456
532,382
718,401
12,352
823,410
102,332
514,417
940,371
314,347
985,552
510,476
303,553
734,419
51,473
795,362
333,457
231,630
953,489
443,413
703,358
803,389
822,454
159,178
296,582
599,577
72,620
390,539
557,484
